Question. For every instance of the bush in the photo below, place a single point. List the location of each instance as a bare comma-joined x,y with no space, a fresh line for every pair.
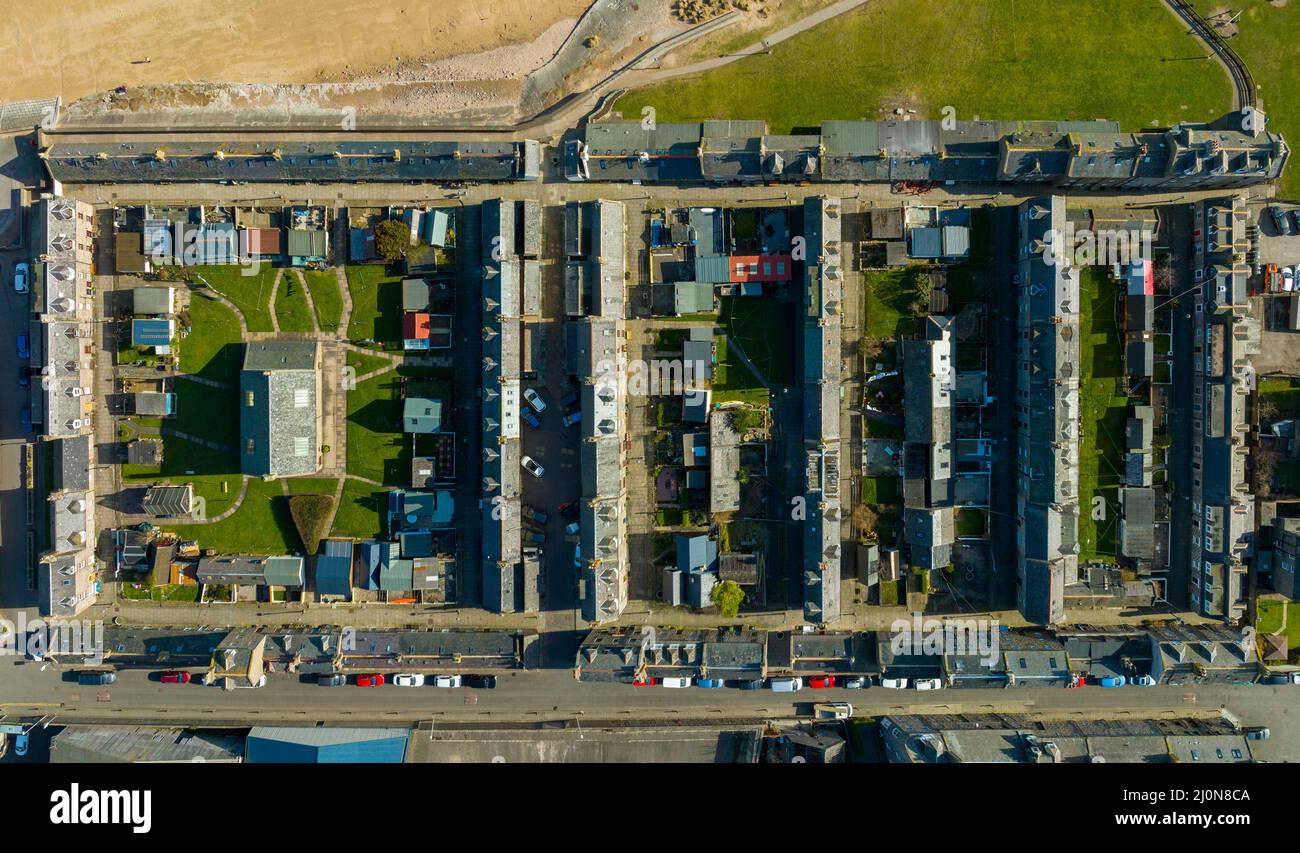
392,239
728,596
311,515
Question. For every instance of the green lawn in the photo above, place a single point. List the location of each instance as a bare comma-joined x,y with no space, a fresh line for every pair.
376,304
377,448
212,348
1268,619
215,475
971,522
879,490
1279,397
262,525
250,293
765,329
1103,413
733,380
1266,40
291,307
364,364
995,59
324,287
311,485
168,592
206,412
360,512
891,303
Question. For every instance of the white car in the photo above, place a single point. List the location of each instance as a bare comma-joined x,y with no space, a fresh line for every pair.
20,746
531,466
535,400
446,681
894,683
20,278
858,682
408,679
676,682
929,684
1288,279
1143,681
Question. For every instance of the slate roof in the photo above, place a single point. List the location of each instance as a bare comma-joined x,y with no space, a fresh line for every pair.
279,408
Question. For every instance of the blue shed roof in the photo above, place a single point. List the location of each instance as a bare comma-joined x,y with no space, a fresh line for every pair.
151,333
325,745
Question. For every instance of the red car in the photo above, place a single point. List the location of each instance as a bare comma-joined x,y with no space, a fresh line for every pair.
375,680
821,682
645,682
175,676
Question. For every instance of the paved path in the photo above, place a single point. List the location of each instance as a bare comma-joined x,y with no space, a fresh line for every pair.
270,301
203,380
346,319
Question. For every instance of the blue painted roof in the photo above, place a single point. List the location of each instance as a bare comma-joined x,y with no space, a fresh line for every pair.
334,568
325,745
151,333
696,553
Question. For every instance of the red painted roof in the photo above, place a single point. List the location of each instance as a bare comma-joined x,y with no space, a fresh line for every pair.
745,268
415,325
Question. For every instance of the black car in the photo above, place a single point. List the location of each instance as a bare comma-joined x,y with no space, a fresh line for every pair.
569,511
96,677
484,682
756,684
331,679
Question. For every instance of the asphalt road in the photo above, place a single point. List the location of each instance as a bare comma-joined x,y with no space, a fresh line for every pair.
29,691
14,314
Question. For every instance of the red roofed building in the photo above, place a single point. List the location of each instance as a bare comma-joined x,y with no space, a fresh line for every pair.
415,329
759,268
262,241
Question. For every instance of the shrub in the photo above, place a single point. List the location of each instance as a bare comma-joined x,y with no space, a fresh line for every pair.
311,515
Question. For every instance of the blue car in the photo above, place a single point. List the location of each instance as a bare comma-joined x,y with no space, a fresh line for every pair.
1109,681
24,347
531,419
710,683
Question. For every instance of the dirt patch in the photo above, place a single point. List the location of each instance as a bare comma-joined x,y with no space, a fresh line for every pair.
1220,17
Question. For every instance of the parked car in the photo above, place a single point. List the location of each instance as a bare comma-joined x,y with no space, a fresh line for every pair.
373,680
571,419
894,683
572,528
821,682
24,346
569,511
408,679
531,466
531,419
534,516
1112,681
20,277
1143,681
1288,279
96,677
26,418
20,745
785,685
1279,219
24,378
331,679
710,683
645,682
535,400
481,682
537,536
676,682
755,684
175,676
577,556
1257,733
858,682
1278,678
929,684
446,681
1295,218
570,399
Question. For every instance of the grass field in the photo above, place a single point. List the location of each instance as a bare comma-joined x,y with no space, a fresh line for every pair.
168,592
971,522
765,329
364,364
215,475
376,304
250,293
324,287
879,490
311,485
992,59
733,380
262,525
1103,412
1279,397
1266,40
291,307
206,412
1268,620
377,447
891,300
212,349
360,509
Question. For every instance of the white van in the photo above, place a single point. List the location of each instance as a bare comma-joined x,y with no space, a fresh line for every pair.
786,685
929,684
677,682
